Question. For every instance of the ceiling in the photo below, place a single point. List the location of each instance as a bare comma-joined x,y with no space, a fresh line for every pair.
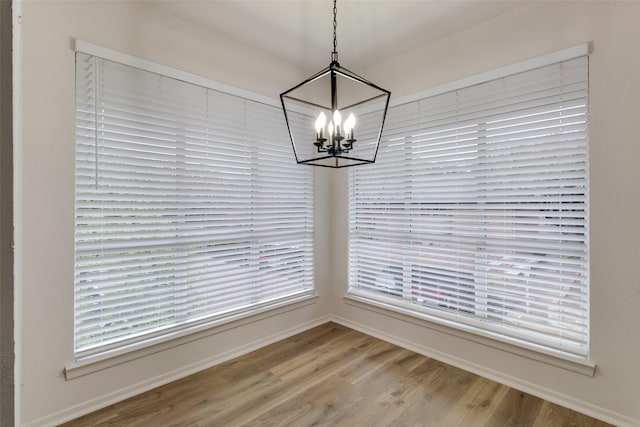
299,32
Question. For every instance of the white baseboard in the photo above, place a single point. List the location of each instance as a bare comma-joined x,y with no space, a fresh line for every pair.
541,392
508,380
151,383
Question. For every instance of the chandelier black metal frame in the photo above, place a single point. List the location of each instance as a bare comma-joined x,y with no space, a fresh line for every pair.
335,144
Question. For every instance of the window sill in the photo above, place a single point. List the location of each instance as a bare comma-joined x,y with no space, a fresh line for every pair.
584,367
95,363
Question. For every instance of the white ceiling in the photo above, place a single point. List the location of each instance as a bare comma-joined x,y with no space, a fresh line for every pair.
300,32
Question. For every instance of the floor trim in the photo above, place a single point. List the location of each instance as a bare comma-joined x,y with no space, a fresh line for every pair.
516,383
541,392
127,392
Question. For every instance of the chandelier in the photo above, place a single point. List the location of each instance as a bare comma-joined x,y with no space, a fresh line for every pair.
330,130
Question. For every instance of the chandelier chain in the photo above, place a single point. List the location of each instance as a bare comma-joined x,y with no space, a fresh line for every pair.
335,26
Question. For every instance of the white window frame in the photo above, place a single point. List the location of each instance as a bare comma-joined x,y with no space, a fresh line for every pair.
88,361
447,322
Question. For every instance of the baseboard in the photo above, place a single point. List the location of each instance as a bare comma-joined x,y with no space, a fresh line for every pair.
541,392
127,392
508,380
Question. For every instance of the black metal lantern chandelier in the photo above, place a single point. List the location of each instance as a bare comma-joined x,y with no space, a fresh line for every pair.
310,104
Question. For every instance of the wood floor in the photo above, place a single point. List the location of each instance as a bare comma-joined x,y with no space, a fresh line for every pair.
334,376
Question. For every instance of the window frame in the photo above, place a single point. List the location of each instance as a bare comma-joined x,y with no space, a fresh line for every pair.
449,322
84,360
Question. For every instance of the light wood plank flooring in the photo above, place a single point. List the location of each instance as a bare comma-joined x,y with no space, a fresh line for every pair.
334,376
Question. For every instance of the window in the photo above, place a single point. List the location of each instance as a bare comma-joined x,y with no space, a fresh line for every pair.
476,213
189,207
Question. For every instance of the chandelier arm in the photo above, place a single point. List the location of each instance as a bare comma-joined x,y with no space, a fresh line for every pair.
364,101
337,165
311,79
334,103
351,75
302,101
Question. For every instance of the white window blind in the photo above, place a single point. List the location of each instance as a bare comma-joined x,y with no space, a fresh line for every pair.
476,213
189,207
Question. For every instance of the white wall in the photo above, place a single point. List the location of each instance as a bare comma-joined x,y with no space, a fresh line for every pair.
45,178
45,230
531,31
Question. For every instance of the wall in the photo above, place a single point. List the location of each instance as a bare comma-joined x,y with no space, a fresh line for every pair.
45,177
6,218
613,393
44,197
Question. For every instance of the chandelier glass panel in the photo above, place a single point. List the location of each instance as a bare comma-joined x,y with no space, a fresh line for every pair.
335,117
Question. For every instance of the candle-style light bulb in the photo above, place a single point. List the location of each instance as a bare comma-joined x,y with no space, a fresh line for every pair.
337,121
349,124
320,122
337,118
330,129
